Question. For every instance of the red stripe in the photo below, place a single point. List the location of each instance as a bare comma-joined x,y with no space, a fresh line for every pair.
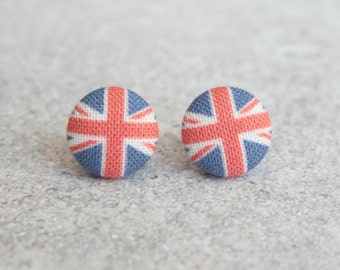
226,124
83,145
110,128
190,120
250,106
114,160
252,122
142,114
150,146
202,152
80,111
265,135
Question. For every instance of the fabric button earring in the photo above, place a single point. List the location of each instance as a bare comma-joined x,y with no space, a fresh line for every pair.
226,131
112,132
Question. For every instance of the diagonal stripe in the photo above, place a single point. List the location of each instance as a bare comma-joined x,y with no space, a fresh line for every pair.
150,146
265,135
202,152
80,110
82,146
190,120
250,106
142,114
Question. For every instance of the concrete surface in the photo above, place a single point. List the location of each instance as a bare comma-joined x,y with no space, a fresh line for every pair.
282,215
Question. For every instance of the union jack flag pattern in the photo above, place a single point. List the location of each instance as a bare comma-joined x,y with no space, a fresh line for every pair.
112,132
226,131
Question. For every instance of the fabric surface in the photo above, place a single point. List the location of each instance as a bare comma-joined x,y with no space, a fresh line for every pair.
283,214
226,131
112,132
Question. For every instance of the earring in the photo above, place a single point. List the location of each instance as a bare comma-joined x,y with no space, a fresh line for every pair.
226,131
112,132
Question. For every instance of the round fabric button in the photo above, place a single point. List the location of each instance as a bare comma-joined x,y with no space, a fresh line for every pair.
226,131
112,132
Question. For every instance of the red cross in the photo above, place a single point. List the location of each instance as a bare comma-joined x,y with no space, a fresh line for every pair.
115,129
227,128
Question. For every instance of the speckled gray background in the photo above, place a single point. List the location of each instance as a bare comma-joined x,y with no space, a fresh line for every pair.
285,214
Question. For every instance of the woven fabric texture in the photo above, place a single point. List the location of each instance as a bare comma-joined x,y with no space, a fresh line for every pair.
112,132
226,131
